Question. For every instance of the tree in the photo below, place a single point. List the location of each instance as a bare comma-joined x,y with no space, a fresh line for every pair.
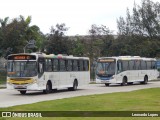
78,47
100,40
4,22
144,21
57,42
15,35
139,33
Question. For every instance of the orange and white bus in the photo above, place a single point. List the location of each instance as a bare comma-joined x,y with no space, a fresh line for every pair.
38,71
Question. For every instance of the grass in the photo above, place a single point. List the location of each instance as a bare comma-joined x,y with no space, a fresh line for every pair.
2,77
2,80
146,99
140,100
92,82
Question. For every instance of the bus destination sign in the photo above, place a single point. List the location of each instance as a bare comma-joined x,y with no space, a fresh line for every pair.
22,57
106,60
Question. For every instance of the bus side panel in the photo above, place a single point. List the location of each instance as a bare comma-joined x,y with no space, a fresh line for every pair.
73,76
63,79
152,74
54,77
119,77
84,78
132,75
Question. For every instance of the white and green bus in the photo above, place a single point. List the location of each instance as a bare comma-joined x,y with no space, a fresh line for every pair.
35,71
125,70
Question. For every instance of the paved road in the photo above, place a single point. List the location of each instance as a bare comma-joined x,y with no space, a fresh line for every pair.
12,98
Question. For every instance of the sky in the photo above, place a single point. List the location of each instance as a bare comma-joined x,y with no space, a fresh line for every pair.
78,15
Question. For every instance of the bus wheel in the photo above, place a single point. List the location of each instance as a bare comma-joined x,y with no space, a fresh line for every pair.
75,85
106,84
23,92
124,82
145,80
48,88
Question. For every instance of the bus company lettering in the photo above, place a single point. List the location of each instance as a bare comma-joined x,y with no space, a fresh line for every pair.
15,114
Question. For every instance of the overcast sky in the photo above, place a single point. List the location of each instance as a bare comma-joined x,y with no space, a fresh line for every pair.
78,15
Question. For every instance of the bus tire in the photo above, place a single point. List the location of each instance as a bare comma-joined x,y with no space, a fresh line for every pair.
106,84
48,88
145,80
23,92
124,81
75,85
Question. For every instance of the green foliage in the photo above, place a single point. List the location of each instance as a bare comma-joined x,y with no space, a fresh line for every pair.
100,41
2,76
79,48
15,35
140,31
144,21
57,42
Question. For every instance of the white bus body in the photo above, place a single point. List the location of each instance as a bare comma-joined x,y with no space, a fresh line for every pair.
29,72
125,70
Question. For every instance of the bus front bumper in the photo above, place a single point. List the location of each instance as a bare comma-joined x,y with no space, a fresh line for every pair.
27,87
100,81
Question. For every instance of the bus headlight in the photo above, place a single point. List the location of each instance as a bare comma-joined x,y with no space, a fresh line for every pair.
35,81
8,81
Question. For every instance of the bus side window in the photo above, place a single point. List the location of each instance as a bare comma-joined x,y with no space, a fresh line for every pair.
55,65
137,65
81,65
119,66
131,65
48,65
86,65
75,65
62,65
69,65
143,65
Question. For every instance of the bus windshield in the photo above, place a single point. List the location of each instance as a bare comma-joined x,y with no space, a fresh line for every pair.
105,68
21,69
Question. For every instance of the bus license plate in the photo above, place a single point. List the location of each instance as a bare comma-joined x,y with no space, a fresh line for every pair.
19,86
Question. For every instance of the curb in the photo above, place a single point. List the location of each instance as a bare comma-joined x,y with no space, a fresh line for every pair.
2,85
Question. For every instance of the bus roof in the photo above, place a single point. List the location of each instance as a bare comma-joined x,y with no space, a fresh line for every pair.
128,58
51,55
